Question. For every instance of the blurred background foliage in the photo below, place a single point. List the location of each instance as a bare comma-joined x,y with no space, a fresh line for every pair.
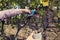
6,4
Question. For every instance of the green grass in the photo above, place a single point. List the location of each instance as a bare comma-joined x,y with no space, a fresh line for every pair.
57,26
59,14
0,38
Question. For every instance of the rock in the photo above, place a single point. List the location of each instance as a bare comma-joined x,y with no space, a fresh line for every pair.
37,36
52,34
58,36
33,36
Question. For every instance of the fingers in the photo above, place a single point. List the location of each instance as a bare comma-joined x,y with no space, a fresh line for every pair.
25,10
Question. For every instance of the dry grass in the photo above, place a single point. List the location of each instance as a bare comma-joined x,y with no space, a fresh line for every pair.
51,33
23,33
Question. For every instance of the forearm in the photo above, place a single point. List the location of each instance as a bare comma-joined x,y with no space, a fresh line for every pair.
12,12
25,10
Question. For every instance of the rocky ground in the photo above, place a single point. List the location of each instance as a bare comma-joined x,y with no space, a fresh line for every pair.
48,34
52,34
